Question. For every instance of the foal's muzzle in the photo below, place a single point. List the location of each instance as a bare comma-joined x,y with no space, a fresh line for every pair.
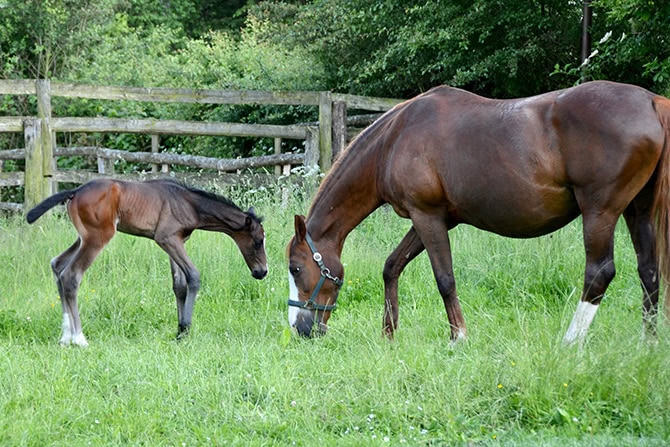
259,273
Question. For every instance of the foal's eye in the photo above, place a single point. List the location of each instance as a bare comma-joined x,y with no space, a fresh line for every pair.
258,244
294,270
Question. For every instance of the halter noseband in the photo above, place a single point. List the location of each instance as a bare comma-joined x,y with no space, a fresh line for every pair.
311,303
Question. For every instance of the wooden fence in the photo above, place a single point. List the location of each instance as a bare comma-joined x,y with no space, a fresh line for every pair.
324,140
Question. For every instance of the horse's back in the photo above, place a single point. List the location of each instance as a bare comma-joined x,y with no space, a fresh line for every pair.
137,208
483,158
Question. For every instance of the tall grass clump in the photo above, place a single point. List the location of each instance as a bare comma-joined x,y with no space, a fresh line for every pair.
242,377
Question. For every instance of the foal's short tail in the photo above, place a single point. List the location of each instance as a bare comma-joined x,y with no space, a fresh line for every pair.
48,203
661,210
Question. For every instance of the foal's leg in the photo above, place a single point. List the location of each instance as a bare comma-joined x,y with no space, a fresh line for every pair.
638,219
408,249
433,231
180,289
68,281
599,271
174,247
61,261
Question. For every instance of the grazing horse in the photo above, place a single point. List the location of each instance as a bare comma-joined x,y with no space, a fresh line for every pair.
519,168
163,210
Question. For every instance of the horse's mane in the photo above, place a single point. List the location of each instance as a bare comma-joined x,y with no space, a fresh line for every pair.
366,136
215,197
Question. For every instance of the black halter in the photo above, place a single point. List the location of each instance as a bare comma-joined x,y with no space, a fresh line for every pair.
311,304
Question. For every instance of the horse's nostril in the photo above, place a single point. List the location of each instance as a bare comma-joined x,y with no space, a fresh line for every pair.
259,273
304,324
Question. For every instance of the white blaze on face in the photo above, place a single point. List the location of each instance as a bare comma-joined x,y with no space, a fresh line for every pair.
293,295
580,322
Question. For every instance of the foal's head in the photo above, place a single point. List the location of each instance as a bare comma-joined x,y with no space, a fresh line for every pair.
250,239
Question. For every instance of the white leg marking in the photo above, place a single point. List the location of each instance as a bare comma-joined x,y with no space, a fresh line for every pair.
580,322
66,336
461,335
79,340
293,295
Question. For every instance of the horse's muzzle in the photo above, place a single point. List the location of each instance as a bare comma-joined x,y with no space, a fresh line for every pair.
259,273
307,327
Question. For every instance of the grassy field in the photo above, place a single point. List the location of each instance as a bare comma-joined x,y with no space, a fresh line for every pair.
243,378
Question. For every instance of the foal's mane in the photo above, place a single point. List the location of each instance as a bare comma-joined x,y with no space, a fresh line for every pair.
216,198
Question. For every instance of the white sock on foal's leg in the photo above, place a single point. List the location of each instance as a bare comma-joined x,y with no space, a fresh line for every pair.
69,337
580,323
66,336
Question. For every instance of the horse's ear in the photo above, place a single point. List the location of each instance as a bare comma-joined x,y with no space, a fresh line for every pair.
300,228
251,211
247,222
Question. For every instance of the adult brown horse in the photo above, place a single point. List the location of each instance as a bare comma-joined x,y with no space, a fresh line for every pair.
519,168
163,210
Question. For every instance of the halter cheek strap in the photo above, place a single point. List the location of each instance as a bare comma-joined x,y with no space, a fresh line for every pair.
311,303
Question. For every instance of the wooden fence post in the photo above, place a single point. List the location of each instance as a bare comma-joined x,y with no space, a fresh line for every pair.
278,169
325,131
339,128
312,151
32,130
105,166
155,148
47,140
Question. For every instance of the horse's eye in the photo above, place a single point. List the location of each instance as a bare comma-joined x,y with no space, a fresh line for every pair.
294,270
258,244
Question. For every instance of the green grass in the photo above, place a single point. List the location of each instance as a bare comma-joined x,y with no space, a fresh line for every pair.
242,378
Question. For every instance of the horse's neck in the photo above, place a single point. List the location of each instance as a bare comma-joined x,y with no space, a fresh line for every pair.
343,202
217,216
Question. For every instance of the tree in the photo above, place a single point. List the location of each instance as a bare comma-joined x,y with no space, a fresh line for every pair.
400,48
37,35
631,43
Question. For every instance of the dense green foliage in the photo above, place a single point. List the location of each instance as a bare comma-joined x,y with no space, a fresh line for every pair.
242,377
383,48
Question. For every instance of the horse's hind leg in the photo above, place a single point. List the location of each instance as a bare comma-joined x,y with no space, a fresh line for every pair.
638,219
61,261
408,249
69,279
598,273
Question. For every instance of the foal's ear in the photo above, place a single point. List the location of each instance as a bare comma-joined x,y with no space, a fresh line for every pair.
247,222
300,228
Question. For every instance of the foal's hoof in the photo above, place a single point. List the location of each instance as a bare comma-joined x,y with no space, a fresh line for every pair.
77,340
182,333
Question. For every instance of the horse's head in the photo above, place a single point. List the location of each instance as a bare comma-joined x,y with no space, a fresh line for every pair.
314,279
250,239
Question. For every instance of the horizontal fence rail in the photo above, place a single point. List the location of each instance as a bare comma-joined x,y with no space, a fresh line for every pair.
324,140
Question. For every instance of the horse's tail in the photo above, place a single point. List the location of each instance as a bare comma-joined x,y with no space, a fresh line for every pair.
48,203
661,207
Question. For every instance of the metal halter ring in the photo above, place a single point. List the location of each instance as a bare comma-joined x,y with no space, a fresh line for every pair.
311,303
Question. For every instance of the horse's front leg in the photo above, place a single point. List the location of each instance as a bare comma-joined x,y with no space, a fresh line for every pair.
433,230
408,249
180,289
187,275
